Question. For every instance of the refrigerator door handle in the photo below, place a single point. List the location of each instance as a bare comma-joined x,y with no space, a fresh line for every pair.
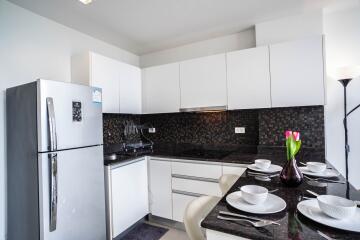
52,124
53,190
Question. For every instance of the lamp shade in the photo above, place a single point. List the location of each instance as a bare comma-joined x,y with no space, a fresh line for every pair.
85,1
348,72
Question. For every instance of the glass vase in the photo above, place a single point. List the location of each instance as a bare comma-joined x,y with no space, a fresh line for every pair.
291,175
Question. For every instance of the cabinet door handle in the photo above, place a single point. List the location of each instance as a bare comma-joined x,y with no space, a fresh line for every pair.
188,193
195,178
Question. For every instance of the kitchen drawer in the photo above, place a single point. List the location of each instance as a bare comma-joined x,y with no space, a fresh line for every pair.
197,170
233,170
180,202
196,186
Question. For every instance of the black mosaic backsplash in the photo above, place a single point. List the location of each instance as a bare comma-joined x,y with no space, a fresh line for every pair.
309,121
113,128
263,127
204,128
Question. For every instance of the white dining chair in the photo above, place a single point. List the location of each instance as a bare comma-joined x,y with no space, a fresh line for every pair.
226,181
200,207
195,212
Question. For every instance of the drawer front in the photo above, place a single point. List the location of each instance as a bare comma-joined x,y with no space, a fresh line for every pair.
195,186
197,170
180,203
233,170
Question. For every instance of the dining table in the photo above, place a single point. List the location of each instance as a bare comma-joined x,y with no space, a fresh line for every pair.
291,223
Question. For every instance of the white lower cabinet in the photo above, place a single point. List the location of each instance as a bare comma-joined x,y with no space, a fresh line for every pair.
202,170
160,199
129,195
233,170
180,202
196,186
174,183
191,180
162,187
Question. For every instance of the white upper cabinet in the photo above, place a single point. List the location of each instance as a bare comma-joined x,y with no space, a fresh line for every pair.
203,82
161,90
280,75
120,82
248,78
297,73
104,74
130,89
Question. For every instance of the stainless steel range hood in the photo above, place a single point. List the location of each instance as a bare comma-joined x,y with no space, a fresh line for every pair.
204,109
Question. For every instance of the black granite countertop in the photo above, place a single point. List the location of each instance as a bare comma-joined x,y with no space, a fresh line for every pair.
293,224
238,154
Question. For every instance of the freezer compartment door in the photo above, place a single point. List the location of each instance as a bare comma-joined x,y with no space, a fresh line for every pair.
72,195
69,115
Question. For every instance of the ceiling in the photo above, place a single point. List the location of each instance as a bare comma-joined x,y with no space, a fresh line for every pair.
143,26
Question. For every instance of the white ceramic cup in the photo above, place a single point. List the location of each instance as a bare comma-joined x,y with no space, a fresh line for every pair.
254,194
262,163
336,207
316,167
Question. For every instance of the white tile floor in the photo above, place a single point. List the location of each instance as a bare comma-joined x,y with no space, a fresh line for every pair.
173,233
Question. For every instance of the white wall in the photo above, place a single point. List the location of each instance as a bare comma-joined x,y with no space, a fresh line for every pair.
342,38
241,40
32,47
289,28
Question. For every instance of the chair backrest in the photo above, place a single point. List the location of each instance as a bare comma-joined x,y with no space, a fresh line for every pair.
226,181
195,212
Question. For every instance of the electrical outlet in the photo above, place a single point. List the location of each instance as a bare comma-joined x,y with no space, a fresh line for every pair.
240,130
152,130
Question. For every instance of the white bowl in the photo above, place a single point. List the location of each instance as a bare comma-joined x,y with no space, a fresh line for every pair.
316,167
262,163
254,194
336,207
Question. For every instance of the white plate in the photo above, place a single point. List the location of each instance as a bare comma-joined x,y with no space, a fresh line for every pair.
311,209
273,168
328,173
272,204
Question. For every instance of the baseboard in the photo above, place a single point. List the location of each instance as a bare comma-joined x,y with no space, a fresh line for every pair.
166,222
119,237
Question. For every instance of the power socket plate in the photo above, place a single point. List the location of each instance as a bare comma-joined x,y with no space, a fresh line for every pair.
240,130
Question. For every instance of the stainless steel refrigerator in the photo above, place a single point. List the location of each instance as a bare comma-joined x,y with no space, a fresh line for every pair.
55,171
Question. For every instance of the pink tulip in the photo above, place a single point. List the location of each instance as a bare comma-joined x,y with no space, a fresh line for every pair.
296,136
288,134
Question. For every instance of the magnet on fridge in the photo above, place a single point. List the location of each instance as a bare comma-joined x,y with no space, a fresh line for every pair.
97,95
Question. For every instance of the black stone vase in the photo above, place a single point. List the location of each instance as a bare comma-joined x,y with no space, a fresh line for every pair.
291,175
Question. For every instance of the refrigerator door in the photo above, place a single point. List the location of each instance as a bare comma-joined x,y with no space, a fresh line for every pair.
69,116
72,195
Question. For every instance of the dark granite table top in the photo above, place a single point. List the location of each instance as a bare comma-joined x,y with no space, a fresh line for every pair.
238,154
293,224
